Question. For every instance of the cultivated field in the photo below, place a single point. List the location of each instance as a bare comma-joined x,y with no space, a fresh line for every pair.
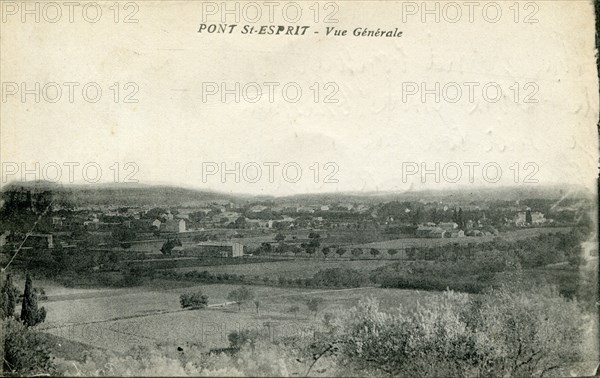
122,318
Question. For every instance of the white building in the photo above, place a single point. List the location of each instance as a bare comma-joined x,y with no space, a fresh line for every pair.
218,249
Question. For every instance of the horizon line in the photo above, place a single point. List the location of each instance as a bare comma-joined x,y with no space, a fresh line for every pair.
457,188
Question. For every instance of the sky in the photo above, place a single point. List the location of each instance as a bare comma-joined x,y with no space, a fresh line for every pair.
373,113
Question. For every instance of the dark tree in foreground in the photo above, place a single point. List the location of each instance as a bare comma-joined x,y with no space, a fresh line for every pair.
9,298
30,314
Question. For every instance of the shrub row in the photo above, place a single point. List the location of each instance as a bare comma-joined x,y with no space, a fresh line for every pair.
334,277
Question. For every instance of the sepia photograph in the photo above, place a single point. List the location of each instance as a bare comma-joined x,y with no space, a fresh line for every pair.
308,188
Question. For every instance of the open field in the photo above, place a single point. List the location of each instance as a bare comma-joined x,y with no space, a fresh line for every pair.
121,303
123,318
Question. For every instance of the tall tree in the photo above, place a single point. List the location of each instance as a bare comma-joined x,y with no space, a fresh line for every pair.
528,219
9,297
314,243
30,313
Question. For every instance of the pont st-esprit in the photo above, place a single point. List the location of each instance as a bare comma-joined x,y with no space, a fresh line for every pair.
363,32
248,29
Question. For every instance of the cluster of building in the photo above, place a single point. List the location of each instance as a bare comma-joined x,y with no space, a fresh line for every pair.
525,218
210,249
151,227
166,222
537,218
441,230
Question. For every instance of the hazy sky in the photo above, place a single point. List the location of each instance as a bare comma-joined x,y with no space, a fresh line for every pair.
546,115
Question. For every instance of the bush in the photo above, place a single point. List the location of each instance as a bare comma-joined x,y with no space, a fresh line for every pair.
238,339
314,304
193,300
264,359
502,333
26,353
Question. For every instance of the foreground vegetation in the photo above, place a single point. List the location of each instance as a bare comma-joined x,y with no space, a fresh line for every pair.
508,331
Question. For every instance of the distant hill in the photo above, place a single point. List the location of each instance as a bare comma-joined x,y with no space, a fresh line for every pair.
472,194
126,194
157,195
